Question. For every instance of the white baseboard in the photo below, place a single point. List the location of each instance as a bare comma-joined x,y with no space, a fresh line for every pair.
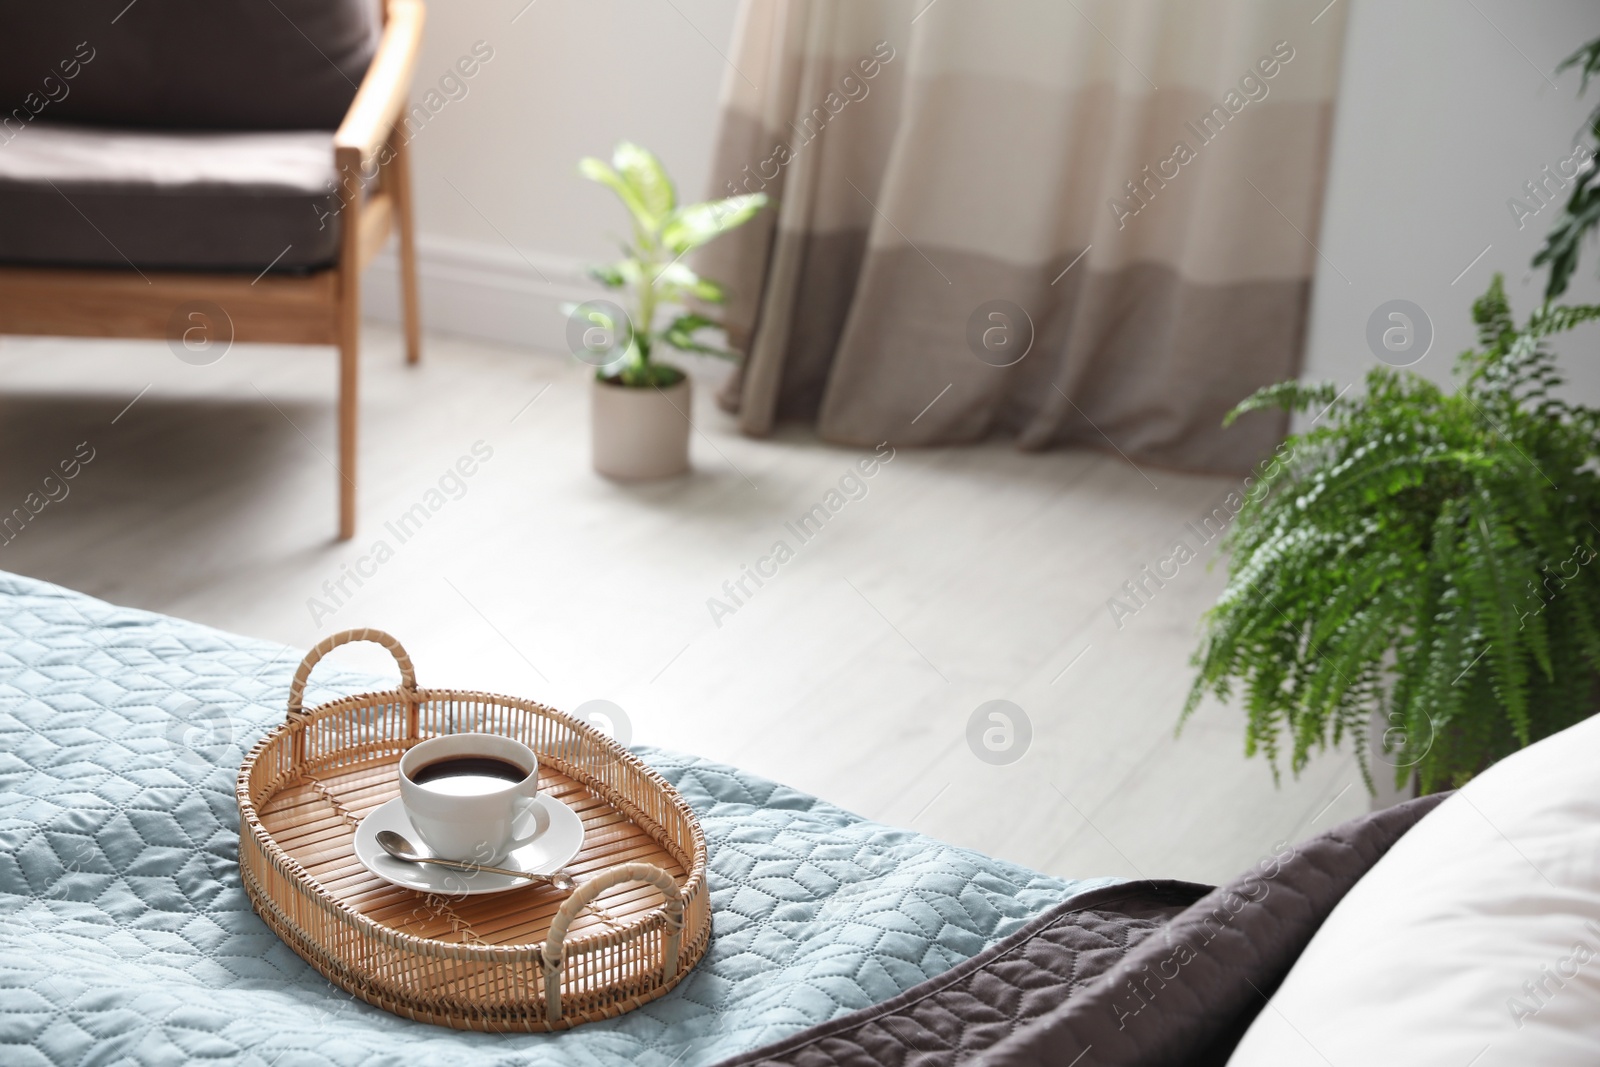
482,291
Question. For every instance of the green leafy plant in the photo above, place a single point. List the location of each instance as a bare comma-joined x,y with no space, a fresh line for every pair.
651,278
1582,212
1426,558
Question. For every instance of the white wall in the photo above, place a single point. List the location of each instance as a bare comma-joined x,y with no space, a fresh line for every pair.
1442,117
505,223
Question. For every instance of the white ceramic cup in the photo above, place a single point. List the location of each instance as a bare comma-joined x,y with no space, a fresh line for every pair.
479,828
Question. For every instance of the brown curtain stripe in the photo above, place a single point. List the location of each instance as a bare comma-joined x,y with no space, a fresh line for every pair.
1138,181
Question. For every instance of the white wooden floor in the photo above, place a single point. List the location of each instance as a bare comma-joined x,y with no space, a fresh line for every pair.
962,576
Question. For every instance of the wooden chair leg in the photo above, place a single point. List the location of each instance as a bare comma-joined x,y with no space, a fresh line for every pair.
349,365
349,338
400,168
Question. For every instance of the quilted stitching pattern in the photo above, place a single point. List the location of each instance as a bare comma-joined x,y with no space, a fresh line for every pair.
965,1011
1142,974
1186,994
125,936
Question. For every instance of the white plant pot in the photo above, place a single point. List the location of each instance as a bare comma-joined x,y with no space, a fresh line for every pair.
639,434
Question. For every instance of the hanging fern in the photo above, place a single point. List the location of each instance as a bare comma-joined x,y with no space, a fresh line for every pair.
1581,213
1427,557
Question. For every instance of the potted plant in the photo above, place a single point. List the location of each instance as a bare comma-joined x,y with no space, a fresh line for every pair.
1426,560
640,406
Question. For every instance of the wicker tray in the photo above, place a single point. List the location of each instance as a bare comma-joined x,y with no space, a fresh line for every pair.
526,959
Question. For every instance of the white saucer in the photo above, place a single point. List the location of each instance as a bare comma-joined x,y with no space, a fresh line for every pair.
554,849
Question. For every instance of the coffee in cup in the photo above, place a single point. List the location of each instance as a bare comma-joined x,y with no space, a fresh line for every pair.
473,796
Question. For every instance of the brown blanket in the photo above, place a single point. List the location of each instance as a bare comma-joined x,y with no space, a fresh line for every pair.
1147,973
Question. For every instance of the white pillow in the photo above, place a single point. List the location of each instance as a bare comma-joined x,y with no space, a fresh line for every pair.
1475,941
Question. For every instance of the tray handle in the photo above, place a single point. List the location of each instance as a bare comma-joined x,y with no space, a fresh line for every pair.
554,952
297,688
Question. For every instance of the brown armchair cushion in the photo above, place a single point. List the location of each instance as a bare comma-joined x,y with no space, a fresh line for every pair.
94,197
183,64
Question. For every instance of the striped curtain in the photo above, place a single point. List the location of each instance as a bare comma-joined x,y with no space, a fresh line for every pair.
1086,222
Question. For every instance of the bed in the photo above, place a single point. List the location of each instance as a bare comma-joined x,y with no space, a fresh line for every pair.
125,936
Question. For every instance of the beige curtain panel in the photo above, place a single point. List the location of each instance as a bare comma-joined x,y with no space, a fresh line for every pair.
1085,223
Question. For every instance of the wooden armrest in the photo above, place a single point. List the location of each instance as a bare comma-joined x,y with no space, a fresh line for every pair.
386,87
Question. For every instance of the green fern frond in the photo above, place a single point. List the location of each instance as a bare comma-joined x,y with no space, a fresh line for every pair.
1417,560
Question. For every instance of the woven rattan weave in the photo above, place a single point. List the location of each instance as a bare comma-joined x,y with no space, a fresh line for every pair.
526,959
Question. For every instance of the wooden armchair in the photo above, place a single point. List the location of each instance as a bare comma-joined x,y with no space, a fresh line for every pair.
113,227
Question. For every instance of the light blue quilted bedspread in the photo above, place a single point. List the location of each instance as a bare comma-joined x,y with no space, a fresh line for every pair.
125,936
